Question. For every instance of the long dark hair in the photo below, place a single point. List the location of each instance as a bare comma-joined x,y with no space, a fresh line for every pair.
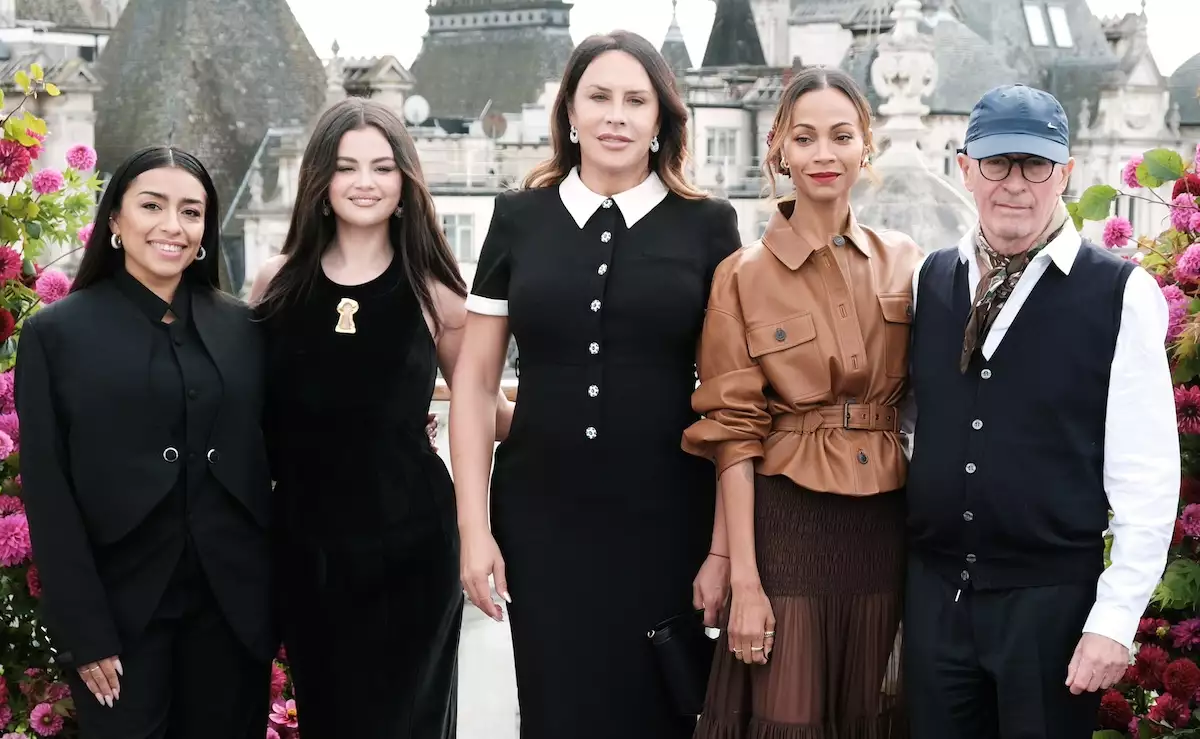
100,260
672,154
417,237
805,81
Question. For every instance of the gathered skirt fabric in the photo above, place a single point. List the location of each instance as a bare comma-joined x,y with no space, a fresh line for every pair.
833,569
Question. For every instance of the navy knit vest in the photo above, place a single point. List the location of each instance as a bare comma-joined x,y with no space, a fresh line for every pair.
1006,485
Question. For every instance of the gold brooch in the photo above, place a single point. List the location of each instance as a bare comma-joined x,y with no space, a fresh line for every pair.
346,309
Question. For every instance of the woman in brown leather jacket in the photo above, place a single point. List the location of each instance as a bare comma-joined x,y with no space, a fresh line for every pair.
803,365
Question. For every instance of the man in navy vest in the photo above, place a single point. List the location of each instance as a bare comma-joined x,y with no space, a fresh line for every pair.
1043,400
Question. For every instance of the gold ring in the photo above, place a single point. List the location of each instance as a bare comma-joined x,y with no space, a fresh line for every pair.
756,649
769,634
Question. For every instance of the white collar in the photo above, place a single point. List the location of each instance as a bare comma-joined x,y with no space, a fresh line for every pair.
1062,250
634,203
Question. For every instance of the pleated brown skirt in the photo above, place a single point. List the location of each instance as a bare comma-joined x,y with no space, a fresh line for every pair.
833,569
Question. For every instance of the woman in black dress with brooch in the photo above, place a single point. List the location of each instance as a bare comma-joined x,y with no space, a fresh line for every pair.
600,267
361,308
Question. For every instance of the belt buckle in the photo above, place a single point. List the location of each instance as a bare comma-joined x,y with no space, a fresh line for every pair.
846,414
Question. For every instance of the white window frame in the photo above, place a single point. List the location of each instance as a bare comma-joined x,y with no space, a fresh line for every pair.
460,233
1035,22
721,145
1060,26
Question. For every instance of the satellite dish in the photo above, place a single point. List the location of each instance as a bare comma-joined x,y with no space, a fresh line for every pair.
416,110
494,125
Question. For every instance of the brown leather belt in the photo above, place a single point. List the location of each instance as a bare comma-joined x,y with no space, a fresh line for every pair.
856,416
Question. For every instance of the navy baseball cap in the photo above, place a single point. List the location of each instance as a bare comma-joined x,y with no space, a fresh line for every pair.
1015,119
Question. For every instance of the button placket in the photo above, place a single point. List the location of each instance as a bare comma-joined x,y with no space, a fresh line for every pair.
603,249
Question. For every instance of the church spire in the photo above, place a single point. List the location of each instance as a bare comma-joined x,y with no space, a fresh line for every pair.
733,41
674,49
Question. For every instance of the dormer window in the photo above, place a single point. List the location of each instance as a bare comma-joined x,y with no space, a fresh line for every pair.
1059,26
1036,22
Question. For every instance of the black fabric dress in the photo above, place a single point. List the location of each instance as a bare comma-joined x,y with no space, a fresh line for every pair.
366,541
602,519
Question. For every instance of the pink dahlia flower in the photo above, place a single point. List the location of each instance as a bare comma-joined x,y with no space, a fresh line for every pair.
6,392
15,161
1187,266
15,546
33,581
1117,232
10,504
53,286
272,734
10,263
85,233
35,151
1186,634
48,182
1182,210
44,721
1129,173
278,680
5,715
1187,409
1190,519
81,157
7,446
11,425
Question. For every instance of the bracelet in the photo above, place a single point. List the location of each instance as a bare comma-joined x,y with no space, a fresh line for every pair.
722,556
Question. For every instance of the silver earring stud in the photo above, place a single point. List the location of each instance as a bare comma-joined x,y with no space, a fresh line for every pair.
574,136
654,147
116,241
399,213
200,255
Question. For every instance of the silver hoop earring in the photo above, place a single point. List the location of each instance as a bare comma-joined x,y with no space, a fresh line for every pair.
325,206
574,136
654,147
399,212
200,255
783,166
116,241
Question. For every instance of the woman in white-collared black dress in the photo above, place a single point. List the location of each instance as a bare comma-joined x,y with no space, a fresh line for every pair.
600,268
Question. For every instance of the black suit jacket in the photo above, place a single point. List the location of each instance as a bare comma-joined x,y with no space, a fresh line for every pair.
96,461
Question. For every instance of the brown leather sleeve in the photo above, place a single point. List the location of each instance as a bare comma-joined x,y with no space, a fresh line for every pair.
730,396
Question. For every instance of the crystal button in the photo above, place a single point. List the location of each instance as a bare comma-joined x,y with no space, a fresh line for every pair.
971,468
591,432
595,306
976,424
593,391
602,270
606,236
594,348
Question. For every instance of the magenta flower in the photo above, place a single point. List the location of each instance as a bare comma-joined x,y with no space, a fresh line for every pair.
278,680
1186,634
1190,520
1187,266
81,157
33,580
57,691
1117,232
10,504
1187,409
1183,207
5,715
1177,307
85,233
7,445
6,392
284,714
14,161
1194,226
1129,173
35,151
53,286
11,425
15,546
10,263
44,721
48,182
272,734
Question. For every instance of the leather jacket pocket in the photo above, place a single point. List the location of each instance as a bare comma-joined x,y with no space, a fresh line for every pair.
897,325
790,357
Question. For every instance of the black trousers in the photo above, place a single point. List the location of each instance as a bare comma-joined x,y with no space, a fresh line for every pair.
993,664
187,676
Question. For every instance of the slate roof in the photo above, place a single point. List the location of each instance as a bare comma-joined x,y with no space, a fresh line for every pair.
1185,86
733,40
674,49
68,74
59,12
459,72
828,11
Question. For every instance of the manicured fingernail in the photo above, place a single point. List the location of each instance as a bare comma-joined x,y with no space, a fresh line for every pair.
507,598
99,699
120,669
108,700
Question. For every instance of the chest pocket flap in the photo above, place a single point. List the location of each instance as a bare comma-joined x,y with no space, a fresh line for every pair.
780,335
896,308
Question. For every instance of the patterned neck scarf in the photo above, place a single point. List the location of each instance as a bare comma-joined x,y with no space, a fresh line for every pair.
1001,275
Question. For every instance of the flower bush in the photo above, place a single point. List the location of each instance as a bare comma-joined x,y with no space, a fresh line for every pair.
1159,695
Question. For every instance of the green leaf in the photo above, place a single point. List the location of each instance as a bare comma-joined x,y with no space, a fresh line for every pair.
52,90
22,80
1073,209
28,268
1164,164
32,210
1096,202
1145,179
1180,586
9,232
1108,734
35,124
38,73
1186,370
34,229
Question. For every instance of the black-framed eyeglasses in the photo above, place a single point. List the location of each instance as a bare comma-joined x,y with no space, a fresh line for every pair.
1034,169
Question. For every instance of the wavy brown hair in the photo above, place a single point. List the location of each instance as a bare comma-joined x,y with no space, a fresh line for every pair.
807,80
668,163
417,237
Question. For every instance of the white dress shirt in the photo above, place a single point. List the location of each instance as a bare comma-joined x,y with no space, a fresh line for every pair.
1141,440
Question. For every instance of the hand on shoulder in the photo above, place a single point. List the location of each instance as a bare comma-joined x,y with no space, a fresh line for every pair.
262,280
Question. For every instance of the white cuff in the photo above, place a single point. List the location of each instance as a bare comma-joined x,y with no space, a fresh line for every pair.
1114,622
486,306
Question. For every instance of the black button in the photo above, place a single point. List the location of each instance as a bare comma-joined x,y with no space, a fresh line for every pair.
193,394
178,341
780,334
862,457
170,454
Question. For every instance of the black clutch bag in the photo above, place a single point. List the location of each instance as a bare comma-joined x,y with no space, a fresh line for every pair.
685,654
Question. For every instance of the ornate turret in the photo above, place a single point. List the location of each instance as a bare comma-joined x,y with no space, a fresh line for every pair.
733,41
674,50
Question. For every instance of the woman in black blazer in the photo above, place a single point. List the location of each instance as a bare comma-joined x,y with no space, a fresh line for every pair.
147,490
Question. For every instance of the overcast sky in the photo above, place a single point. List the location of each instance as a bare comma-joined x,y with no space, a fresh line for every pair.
377,27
